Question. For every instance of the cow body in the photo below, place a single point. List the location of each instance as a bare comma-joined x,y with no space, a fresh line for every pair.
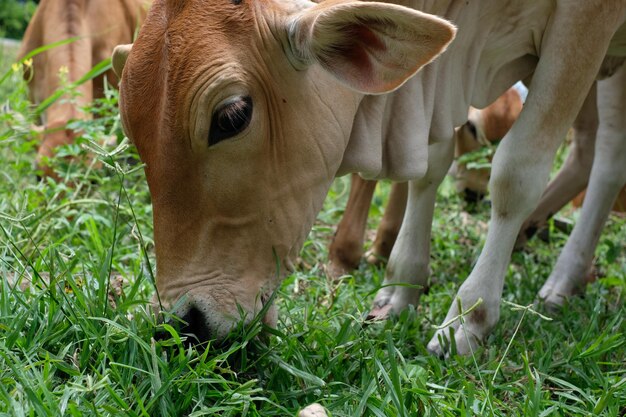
484,127
99,26
227,214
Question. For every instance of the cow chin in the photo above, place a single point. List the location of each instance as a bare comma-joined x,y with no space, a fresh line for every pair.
204,315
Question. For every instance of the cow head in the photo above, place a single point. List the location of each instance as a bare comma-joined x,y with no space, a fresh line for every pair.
241,111
484,127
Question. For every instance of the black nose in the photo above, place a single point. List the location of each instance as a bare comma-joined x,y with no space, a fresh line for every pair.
192,327
195,325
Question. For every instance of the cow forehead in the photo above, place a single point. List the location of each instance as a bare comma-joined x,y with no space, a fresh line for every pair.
199,19
178,42
174,7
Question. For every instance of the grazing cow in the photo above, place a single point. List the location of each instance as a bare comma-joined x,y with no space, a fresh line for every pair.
483,127
244,112
99,26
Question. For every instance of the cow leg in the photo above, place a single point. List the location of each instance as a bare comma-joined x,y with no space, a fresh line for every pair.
608,175
346,249
574,175
523,160
407,271
389,227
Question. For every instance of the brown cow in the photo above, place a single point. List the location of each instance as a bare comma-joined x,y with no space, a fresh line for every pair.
483,127
99,26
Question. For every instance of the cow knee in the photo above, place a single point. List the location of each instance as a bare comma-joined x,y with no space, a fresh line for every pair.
516,187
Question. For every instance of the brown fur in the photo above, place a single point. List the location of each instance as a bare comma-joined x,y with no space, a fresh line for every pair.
619,206
99,25
500,116
191,56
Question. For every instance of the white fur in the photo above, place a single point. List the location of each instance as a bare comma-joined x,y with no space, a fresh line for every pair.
608,176
522,163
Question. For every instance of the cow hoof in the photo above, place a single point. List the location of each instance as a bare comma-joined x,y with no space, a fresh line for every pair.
465,342
552,299
343,258
560,287
336,270
383,298
435,349
375,259
313,410
379,313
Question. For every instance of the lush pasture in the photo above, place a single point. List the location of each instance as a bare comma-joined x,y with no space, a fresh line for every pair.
77,336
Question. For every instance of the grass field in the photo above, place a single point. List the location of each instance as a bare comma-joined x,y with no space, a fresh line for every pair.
77,336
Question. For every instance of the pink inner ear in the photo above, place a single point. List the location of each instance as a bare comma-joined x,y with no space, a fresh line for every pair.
356,50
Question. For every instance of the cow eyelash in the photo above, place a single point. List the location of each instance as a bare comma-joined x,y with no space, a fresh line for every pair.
230,119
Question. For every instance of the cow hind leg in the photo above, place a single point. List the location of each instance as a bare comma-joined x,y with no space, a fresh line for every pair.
573,177
389,227
408,268
608,175
346,248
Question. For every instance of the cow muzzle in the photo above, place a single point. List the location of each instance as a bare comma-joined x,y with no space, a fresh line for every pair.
201,318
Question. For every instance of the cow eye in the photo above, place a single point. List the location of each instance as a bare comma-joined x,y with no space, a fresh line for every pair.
230,118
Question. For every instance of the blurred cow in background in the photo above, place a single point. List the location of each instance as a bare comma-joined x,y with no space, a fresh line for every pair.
98,25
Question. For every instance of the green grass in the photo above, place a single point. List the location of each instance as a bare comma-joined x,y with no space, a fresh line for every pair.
74,342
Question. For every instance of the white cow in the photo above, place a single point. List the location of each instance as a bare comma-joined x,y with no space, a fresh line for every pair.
244,111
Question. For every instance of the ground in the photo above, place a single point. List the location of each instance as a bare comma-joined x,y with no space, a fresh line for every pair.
77,336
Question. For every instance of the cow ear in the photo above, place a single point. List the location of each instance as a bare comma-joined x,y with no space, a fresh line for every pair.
372,47
118,59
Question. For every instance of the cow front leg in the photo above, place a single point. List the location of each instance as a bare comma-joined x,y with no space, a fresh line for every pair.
408,268
522,162
518,177
608,175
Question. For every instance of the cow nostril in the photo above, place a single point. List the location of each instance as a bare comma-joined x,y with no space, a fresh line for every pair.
195,324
